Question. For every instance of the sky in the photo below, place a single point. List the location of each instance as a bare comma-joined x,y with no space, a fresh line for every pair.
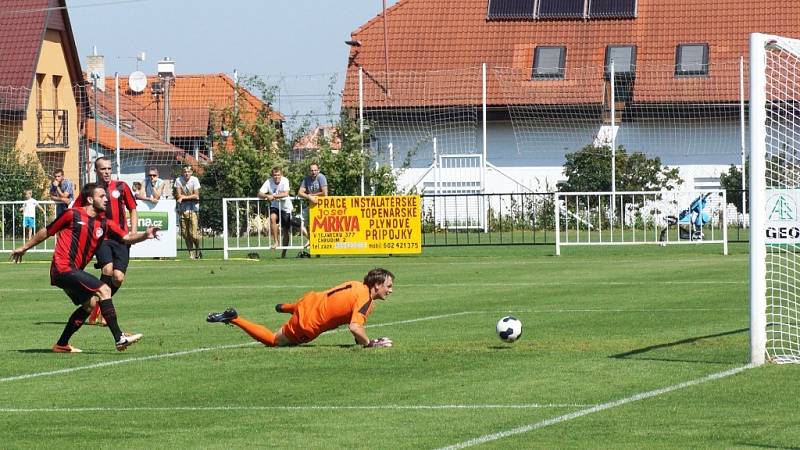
298,44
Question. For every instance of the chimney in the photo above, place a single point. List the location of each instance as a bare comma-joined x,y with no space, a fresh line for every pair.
97,68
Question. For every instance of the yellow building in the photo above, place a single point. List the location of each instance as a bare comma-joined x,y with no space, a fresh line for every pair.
40,78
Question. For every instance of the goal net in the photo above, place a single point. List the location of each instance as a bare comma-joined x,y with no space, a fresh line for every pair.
775,189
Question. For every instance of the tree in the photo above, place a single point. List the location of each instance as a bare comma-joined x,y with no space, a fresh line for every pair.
589,170
239,169
19,173
344,167
732,183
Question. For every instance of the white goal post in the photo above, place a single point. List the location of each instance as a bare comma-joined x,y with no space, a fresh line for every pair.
774,196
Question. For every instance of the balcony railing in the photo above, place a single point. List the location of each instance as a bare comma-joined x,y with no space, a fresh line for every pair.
53,128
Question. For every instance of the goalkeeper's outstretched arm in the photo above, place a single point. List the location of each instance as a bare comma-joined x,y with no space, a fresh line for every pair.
359,334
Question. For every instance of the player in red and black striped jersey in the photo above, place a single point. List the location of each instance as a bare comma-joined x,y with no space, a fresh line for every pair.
80,231
113,255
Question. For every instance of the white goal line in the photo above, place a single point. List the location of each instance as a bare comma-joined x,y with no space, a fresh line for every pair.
423,285
596,408
291,408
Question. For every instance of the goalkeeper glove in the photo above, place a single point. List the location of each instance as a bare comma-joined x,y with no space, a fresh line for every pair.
380,342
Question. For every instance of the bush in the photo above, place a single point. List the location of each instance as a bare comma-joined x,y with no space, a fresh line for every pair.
589,170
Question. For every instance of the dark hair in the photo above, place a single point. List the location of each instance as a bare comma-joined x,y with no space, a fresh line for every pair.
276,169
58,171
102,158
87,191
377,276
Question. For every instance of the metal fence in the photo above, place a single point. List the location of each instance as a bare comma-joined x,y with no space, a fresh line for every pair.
510,219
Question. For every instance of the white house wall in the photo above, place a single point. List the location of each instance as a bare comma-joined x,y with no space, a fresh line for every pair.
532,159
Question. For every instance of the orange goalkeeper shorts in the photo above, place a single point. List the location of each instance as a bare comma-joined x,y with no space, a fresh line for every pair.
292,330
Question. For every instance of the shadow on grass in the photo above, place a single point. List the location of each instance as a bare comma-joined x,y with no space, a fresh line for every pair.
50,323
642,351
48,350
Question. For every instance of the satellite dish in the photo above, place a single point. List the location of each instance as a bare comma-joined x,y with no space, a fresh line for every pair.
137,81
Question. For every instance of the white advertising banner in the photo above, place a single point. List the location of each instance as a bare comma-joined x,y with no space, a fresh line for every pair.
782,224
162,215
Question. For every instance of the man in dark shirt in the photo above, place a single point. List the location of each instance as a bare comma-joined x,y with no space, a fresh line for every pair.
61,192
81,230
113,255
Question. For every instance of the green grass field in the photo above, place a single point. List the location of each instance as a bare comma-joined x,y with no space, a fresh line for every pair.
623,348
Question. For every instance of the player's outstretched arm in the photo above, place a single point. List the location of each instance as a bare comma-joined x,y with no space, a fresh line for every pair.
36,239
134,237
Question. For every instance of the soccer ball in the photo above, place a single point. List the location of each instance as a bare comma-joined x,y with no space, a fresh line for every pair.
509,329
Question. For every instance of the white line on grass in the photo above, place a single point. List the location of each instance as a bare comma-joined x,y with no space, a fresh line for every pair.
288,408
200,350
422,285
593,409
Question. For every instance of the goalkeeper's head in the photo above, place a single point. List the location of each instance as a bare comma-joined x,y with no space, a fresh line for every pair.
379,282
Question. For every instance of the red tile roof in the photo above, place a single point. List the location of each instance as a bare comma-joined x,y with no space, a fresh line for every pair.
193,98
22,29
106,137
435,49
311,140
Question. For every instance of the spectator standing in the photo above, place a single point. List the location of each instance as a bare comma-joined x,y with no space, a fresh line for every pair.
153,186
276,190
187,195
62,192
314,185
29,214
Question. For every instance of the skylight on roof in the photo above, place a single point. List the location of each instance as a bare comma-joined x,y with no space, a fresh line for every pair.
549,62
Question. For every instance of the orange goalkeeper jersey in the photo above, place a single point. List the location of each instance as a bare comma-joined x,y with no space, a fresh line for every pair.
340,305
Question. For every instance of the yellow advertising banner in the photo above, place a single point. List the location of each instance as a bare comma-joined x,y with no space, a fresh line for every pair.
366,225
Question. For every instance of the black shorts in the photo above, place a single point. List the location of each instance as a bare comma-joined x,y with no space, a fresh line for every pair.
284,218
117,253
80,286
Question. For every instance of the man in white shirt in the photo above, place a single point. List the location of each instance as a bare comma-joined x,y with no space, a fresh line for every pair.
276,190
187,195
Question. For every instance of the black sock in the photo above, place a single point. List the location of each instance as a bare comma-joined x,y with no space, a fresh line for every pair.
110,314
73,324
109,281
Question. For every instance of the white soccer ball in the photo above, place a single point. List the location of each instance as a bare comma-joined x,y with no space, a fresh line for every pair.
509,329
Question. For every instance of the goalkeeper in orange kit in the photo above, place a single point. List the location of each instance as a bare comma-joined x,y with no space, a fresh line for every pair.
316,312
